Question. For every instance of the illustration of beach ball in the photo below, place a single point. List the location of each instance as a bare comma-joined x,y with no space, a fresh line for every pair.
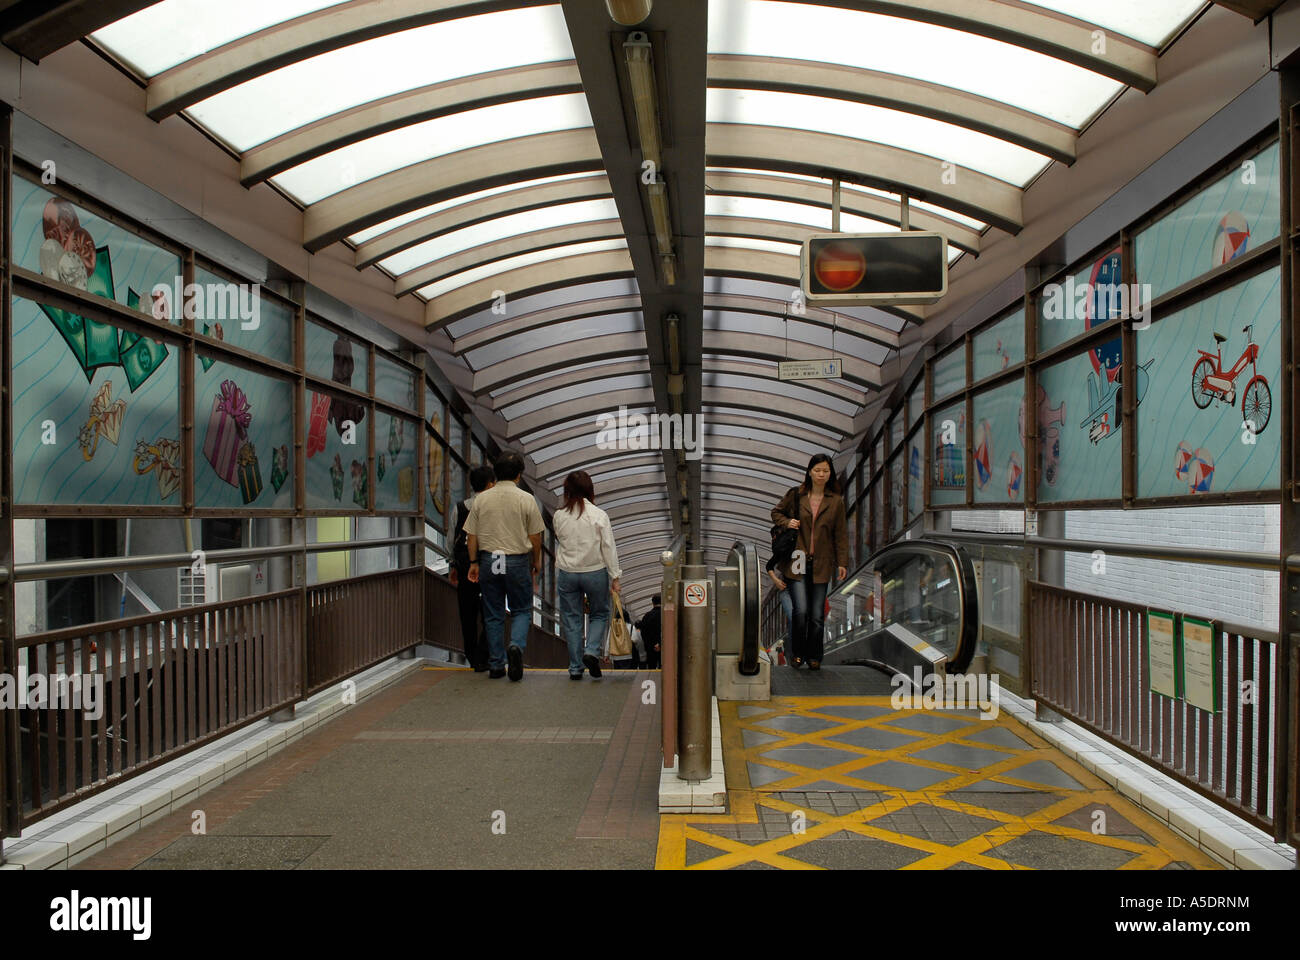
983,453
1014,474
1231,238
1194,467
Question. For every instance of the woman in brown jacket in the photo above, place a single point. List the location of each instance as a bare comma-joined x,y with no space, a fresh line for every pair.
816,510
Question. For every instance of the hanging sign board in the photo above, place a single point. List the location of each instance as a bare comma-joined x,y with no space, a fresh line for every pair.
1162,654
831,369
1200,665
874,268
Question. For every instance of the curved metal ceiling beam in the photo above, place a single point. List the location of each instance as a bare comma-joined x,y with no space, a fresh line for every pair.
300,39
875,164
743,399
444,178
515,323
897,92
505,248
521,281
1065,38
832,388
605,346
774,348
521,200
650,461
813,193
569,379
588,409
403,109
817,316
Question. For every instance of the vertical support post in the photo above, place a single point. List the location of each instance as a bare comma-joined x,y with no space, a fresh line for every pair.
1128,376
696,665
835,205
1286,774
668,657
904,212
10,786
187,386
298,532
1029,556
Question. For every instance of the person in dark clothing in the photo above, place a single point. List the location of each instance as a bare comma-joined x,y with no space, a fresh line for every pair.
650,634
467,593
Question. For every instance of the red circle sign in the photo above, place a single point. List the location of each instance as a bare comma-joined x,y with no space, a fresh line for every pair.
840,266
694,594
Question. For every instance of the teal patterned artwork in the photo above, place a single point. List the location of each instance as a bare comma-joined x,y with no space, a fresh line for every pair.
1080,451
1212,420
948,455
998,452
1000,346
243,440
337,474
949,374
95,406
1234,215
395,462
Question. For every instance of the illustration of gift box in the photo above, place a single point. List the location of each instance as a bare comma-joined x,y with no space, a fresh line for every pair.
250,475
380,467
406,484
360,484
336,477
317,425
279,466
227,431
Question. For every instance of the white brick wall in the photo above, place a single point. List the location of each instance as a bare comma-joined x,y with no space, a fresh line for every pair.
1248,597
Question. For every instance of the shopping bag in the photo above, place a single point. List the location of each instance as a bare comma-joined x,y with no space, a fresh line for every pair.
620,638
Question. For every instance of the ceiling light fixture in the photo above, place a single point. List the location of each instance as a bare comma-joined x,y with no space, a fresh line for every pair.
641,72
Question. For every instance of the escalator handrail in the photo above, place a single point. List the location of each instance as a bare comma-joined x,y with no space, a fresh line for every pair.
744,556
967,590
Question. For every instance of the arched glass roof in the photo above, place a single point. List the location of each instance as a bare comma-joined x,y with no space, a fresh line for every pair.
466,150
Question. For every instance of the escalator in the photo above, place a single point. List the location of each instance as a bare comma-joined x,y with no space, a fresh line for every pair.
914,606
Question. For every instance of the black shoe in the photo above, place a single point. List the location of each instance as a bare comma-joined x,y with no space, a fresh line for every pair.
496,674
575,676
515,662
481,668
593,665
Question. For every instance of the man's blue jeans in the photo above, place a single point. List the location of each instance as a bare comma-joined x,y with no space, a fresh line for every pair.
514,585
809,616
572,587
787,607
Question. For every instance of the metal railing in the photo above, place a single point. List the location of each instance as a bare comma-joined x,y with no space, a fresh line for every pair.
355,623
159,685
1092,667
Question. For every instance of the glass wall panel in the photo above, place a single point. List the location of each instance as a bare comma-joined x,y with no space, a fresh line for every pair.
458,482
1236,214
242,437
948,466
394,383
456,435
1207,422
65,242
337,357
915,476
238,314
1093,296
998,456
104,433
916,403
395,461
896,494
337,455
435,501
1080,456
1000,346
950,372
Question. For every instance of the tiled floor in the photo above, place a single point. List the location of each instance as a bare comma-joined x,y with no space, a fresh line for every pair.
838,782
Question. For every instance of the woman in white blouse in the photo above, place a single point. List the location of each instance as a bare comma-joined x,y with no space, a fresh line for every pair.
588,566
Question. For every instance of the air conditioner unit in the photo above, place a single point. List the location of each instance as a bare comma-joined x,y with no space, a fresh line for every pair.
236,582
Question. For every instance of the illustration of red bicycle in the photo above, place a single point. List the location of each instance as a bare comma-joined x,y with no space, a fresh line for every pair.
1210,382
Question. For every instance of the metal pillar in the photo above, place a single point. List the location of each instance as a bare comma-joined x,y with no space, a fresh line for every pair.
10,789
696,670
284,572
668,652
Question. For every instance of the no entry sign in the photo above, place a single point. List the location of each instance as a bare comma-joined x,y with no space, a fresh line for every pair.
696,593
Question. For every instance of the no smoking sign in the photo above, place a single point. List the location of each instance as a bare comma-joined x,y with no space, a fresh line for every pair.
696,593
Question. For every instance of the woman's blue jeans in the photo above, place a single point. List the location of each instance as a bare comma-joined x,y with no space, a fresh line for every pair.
572,587
809,616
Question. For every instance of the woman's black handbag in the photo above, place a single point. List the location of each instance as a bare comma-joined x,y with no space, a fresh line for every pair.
783,542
